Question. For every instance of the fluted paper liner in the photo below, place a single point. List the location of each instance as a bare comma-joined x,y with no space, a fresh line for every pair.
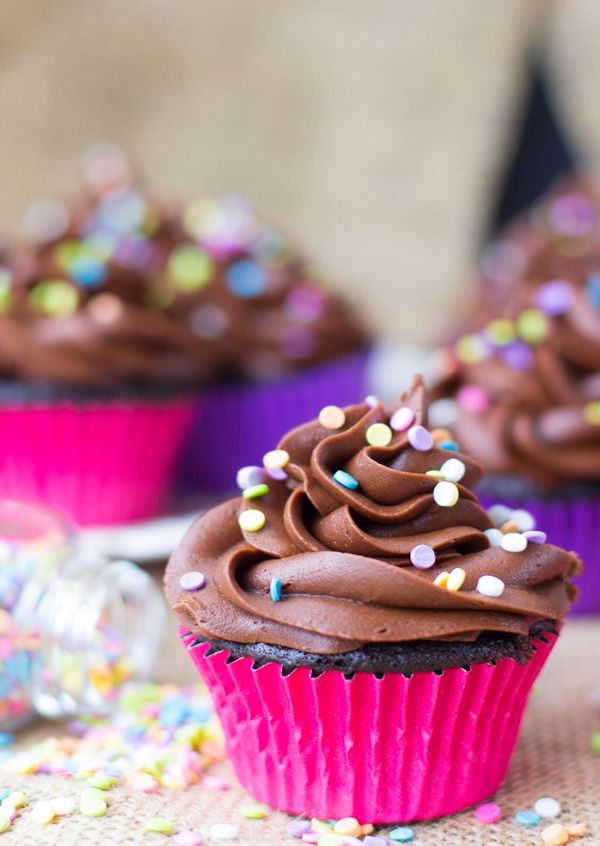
390,749
98,462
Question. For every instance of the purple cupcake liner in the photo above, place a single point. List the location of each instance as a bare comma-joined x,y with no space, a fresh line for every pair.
239,422
574,524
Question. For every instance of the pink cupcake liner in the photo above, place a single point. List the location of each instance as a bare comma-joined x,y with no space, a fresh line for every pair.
573,524
240,422
100,463
390,749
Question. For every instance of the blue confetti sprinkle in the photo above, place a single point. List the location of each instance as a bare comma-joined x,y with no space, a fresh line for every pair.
173,712
6,739
449,445
87,270
345,480
528,818
401,835
275,589
592,287
246,279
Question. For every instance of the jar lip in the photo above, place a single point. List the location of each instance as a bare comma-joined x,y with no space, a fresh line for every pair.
25,522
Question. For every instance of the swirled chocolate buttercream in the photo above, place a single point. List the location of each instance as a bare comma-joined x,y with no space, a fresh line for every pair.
363,529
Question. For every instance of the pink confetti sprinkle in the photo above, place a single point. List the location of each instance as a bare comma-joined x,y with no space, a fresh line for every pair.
473,399
488,813
143,782
402,419
215,783
187,838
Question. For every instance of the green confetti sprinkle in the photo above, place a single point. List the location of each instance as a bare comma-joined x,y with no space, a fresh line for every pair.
54,298
255,491
532,325
253,811
160,825
189,268
102,781
92,803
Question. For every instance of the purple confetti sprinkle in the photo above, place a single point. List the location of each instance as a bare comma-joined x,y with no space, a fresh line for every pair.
517,355
249,476
297,828
422,556
419,438
277,473
193,580
535,536
555,297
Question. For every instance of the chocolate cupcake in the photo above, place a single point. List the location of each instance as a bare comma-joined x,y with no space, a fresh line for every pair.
125,296
521,391
97,387
364,628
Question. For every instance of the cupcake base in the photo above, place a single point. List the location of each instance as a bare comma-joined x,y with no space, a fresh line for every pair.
240,422
382,749
100,461
571,520
407,658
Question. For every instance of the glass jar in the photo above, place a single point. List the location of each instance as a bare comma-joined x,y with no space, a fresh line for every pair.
74,626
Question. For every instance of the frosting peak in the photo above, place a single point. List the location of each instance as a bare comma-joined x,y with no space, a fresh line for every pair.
371,535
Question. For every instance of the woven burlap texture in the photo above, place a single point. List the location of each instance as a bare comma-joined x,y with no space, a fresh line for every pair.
553,758
369,131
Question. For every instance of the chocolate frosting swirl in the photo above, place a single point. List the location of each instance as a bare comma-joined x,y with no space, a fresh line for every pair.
536,412
127,291
343,556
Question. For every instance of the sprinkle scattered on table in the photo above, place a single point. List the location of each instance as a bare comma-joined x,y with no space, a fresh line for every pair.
224,831
547,807
402,835
488,813
529,818
159,737
160,825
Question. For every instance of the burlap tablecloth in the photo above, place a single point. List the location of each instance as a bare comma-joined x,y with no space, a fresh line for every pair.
553,758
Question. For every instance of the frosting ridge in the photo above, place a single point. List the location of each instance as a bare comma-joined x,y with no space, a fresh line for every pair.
343,554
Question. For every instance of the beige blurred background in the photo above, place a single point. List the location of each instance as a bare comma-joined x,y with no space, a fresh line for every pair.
375,131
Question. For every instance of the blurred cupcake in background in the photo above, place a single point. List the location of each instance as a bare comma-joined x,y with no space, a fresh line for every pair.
558,237
137,337
521,391
97,383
